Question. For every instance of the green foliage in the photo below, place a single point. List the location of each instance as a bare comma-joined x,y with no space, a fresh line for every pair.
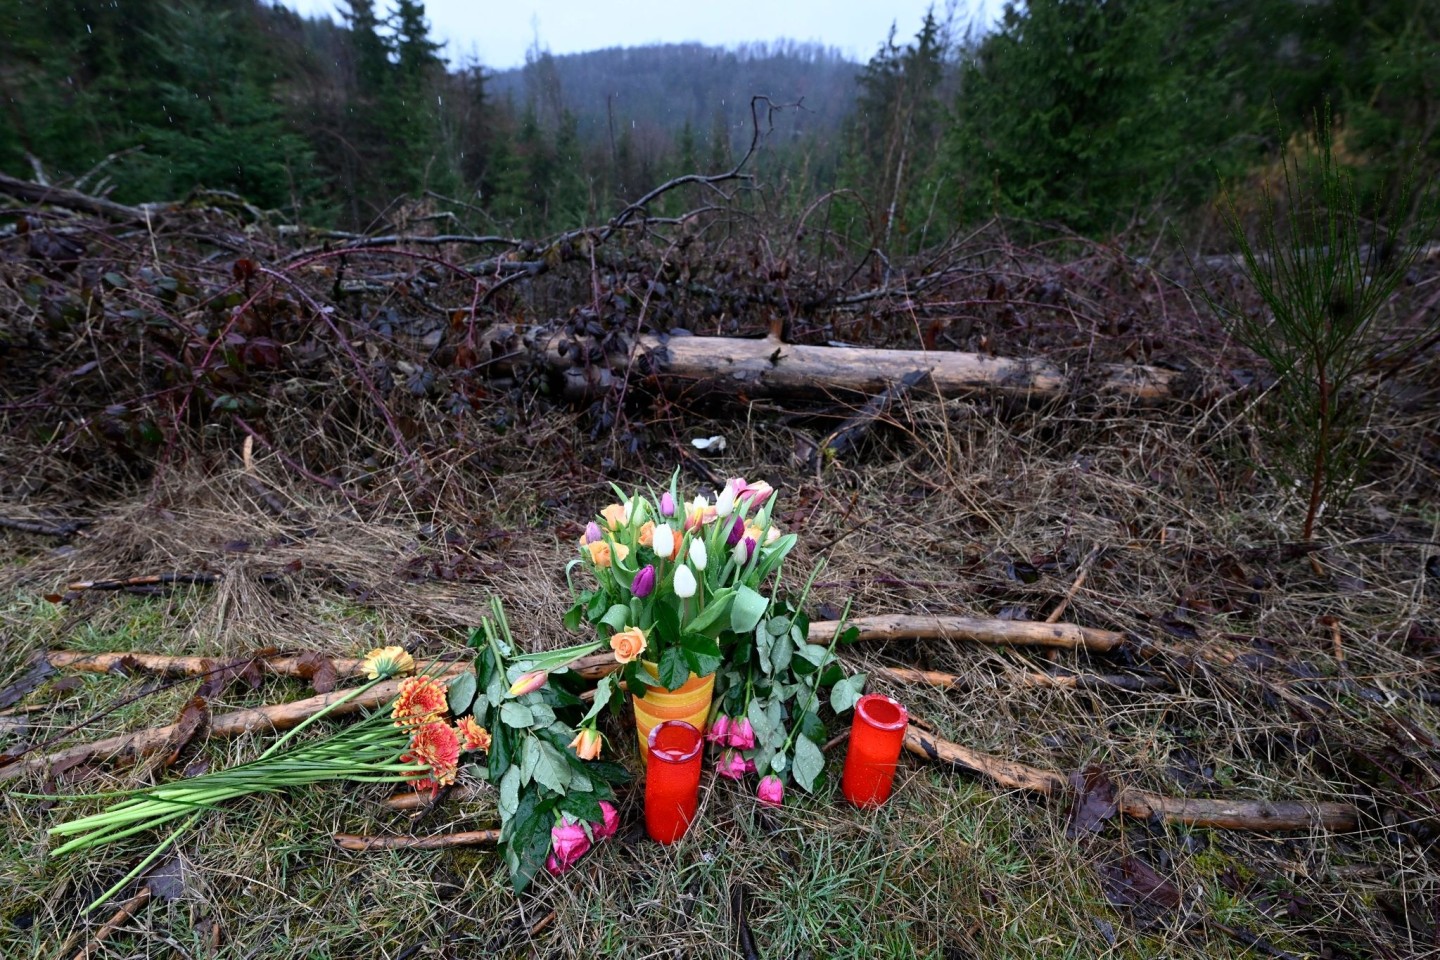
1086,113
1326,277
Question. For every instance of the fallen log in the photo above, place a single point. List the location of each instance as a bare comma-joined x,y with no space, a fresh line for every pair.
770,367
1256,815
442,841
281,665
80,202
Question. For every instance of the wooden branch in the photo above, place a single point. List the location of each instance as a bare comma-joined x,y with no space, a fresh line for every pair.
119,918
1002,633
443,841
149,580
60,529
79,202
1025,678
420,799
129,747
285,665
769,367
1255,815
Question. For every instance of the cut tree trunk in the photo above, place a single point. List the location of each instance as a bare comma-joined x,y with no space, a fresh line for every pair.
769,367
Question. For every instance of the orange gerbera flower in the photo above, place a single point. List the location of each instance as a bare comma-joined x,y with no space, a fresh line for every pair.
421,700
472,735
436,745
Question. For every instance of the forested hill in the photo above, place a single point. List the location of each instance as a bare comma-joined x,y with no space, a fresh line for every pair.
666,87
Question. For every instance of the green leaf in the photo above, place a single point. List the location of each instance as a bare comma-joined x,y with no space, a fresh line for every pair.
541,715
809,762
551,769
461,694
764,729
615,618
575,617
846,692
747,609
778,626
810,726
509,800
515,714
717,608
782,651
674,671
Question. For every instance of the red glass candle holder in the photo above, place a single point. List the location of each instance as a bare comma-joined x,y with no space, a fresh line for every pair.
672,779
876,734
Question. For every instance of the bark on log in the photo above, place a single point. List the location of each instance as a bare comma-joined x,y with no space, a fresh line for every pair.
170,666
1026,678
420,799
443,841
1002,633
1256,815
769,367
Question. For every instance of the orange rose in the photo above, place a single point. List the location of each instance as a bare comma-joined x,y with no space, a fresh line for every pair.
586,744
616,516
628,644
647,534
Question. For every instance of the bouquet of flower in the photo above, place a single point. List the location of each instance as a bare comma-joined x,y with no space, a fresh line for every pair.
676,580
681,587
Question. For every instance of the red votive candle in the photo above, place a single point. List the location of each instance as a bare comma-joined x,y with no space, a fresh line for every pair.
876,734
672,779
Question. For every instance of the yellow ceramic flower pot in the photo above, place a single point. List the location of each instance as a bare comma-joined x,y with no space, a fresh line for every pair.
691,703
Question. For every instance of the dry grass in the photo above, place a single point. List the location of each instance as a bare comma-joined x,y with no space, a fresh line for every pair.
1185,552
375,513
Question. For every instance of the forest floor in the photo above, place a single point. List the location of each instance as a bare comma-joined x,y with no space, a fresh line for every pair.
396,477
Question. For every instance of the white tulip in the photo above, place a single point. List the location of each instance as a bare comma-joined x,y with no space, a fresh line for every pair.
741,555
664,542
684,583
697,553
725,502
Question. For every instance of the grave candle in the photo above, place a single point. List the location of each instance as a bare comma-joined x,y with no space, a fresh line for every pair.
672,779
876,734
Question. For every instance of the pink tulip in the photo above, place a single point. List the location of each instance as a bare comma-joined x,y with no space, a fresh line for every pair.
771,791
719,731
593,532
667,504
528,683
733,765
610,825
742,735
754,493
568,843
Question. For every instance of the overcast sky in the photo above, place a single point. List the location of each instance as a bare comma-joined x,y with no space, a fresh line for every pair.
498,34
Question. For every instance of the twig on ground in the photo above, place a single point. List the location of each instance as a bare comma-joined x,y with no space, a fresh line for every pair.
1257,815
150,580
444,841
61,529
127,911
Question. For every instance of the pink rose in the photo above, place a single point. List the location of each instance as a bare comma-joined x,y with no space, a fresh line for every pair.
719,731
742,735
610,825
771,791
731,764
568,843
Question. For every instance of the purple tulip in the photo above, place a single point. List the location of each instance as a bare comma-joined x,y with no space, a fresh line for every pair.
593,533
644,583
667,504
771,792
737,530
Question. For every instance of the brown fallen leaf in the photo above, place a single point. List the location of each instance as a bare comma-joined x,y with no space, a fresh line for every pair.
1094,801
191,725
318,669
